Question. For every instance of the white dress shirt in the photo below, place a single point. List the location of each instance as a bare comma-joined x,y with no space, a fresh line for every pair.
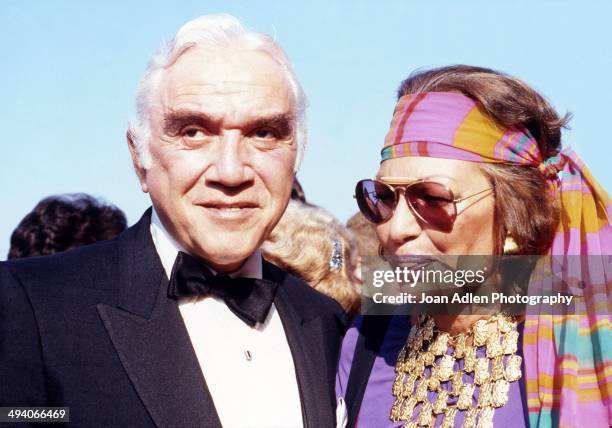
249,371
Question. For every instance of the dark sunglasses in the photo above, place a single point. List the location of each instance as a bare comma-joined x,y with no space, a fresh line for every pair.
432,202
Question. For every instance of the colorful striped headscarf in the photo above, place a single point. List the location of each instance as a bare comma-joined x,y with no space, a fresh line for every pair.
567,357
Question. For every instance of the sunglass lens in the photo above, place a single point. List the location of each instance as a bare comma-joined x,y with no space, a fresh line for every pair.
376,200
434,204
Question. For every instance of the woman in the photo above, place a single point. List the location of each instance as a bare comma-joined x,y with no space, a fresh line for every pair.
473,165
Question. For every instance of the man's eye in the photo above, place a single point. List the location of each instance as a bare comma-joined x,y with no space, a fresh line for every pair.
265,134
194,134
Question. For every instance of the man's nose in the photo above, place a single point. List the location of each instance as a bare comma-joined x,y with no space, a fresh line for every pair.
231,165
404,225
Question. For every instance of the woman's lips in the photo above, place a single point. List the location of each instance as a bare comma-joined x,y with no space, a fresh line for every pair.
412,261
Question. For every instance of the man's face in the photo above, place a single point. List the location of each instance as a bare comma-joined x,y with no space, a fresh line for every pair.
223,150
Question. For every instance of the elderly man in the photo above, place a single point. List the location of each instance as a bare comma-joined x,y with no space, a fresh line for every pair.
179,322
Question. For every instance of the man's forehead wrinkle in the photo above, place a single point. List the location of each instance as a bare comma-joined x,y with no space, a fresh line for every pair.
227,88
193,99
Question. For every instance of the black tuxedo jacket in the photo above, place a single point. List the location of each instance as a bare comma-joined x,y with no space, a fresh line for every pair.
94,330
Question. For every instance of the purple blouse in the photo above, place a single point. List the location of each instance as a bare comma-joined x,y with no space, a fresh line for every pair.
378,399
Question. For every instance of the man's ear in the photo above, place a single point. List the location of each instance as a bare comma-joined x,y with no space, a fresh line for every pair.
140,171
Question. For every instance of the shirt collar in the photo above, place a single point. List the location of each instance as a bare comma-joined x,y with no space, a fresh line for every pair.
167,249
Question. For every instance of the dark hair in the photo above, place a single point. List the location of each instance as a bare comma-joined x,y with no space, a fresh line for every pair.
62,222
524,208
297,192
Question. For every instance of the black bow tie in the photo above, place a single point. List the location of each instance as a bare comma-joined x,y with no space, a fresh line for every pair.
249,298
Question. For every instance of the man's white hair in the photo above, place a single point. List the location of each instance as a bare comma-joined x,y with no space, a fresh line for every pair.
215,31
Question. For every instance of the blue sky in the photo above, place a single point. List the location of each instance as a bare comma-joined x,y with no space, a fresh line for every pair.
70,69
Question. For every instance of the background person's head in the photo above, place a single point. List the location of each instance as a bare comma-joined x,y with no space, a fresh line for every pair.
519,204
365,235
219,136
59,223
312,245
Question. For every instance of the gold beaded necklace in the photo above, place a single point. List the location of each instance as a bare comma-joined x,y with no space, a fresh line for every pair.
428,347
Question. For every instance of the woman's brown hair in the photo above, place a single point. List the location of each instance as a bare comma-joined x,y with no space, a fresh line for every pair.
524,208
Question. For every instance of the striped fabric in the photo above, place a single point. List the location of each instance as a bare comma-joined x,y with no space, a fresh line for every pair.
567,356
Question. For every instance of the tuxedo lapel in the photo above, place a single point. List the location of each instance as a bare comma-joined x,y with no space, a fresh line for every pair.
148,333
306,340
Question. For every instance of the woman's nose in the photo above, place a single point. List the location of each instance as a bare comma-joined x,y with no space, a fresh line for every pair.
403,225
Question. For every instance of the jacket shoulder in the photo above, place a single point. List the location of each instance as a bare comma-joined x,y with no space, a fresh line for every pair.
85,266
89,266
